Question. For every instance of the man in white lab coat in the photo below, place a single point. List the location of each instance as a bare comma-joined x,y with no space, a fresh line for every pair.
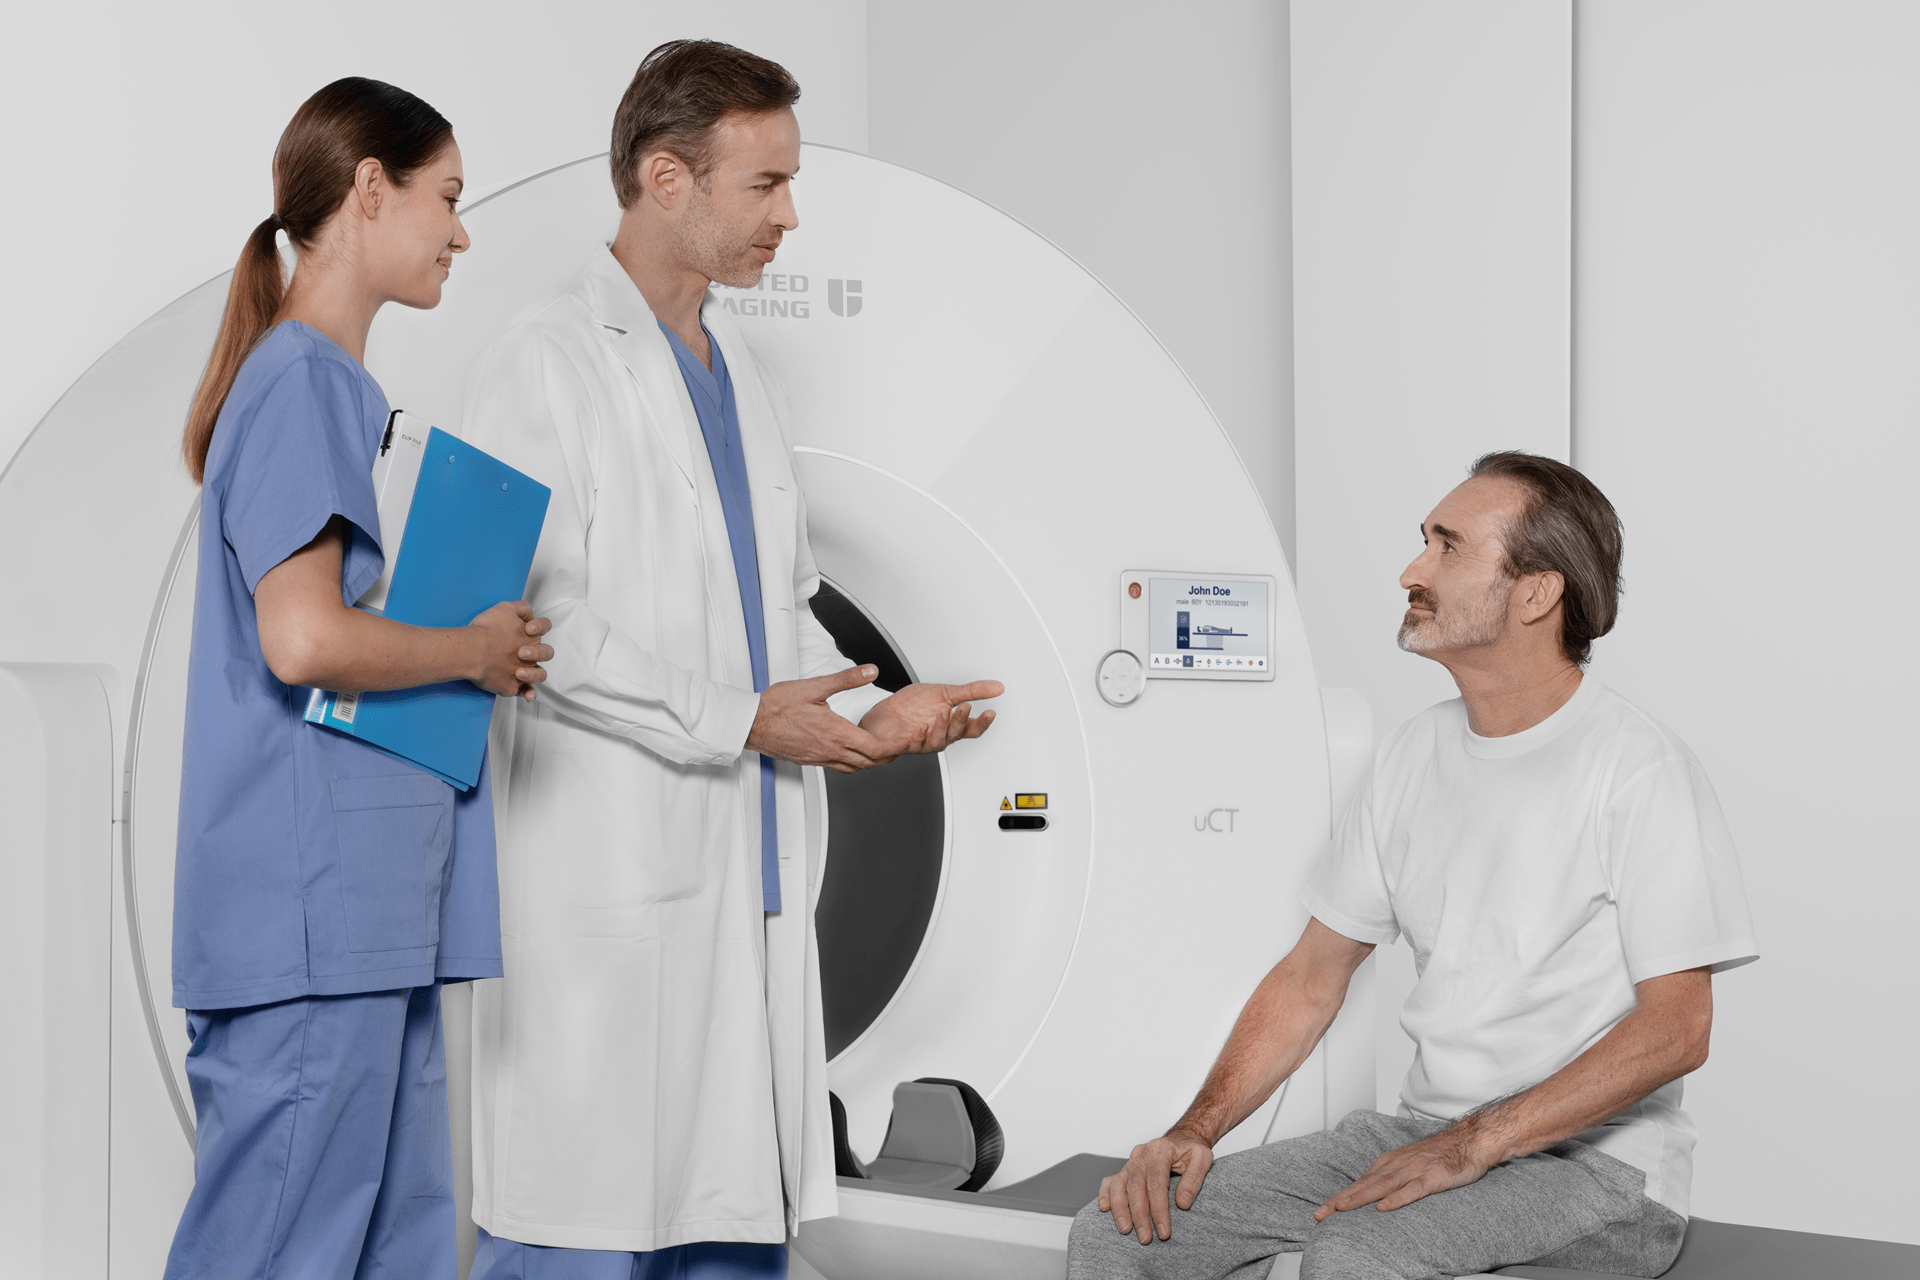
650,1075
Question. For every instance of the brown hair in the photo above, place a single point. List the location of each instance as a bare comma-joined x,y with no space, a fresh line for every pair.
1568,527
678,95
349,121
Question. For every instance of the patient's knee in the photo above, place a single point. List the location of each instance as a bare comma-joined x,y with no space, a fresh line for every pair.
1097,1250
1341,1258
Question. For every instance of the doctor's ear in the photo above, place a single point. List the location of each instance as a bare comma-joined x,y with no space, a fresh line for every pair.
663,178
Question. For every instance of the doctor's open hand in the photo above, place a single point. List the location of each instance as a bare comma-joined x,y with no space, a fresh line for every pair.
795,723
509,649
923,719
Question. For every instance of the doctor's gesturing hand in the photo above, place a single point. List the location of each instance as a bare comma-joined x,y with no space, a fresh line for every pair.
924,719
795,723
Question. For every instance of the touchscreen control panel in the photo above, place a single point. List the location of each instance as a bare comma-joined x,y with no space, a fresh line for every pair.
1198,626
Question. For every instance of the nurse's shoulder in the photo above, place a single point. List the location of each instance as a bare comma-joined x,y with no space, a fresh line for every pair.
297,382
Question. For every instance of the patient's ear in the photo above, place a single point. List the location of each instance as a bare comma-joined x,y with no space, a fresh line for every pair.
1539,594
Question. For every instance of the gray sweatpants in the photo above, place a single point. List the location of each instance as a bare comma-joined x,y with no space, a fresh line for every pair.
1569,1206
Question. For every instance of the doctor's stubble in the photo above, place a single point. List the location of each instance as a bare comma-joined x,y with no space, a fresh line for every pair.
704,242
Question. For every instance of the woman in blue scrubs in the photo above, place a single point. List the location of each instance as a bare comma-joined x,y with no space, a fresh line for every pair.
324,890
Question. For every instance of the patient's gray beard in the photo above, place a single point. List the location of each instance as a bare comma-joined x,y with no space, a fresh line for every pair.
1476,623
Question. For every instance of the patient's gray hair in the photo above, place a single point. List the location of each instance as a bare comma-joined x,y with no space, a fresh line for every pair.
1568,527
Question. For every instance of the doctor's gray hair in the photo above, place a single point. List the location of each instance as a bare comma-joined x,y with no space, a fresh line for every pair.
1566,526
678,95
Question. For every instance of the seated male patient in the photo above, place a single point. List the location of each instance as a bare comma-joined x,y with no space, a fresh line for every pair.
1559,864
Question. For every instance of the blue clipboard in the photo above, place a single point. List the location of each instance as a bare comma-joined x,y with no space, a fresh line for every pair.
470,534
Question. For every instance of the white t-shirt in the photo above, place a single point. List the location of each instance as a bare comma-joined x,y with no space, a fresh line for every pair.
1538,877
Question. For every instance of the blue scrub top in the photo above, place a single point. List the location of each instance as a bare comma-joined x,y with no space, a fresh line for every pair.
309,863
712,393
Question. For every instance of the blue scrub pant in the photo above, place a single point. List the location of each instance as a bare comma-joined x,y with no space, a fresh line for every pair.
321,1148
499,1259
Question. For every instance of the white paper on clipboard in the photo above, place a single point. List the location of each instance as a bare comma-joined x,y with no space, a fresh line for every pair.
395,471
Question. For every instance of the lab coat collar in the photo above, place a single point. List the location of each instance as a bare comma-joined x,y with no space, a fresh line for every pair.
612,296
629,326
631,329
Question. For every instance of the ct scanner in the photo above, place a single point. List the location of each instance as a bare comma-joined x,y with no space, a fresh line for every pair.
994,449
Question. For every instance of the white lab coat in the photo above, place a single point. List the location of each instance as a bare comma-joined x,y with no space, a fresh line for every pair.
651,1071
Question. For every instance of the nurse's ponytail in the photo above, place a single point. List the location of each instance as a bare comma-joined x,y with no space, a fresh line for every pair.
349,121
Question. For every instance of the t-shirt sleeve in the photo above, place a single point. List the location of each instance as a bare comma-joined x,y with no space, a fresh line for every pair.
1674,875
1347,891
303,457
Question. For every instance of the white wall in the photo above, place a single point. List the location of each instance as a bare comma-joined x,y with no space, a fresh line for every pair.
1743,385
1147,140
1746,390
138,137
1431,207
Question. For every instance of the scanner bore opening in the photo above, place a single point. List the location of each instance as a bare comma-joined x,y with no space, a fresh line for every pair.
886,838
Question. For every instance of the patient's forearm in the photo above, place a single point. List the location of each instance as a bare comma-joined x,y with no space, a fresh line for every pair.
1664,1038
1273,1036
1289,1011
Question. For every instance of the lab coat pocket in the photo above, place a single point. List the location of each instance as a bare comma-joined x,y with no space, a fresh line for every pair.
394,834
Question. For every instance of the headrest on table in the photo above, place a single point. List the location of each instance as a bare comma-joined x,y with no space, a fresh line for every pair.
942,1134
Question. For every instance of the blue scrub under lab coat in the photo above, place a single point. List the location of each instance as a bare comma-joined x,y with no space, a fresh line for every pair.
498,1259
712,393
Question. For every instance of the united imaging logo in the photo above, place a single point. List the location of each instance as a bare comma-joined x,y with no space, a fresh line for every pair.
787,296
844,297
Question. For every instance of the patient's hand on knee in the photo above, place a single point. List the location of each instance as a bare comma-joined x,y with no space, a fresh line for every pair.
1137,1195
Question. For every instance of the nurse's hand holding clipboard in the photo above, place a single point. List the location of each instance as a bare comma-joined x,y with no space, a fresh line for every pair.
310,638
510,649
